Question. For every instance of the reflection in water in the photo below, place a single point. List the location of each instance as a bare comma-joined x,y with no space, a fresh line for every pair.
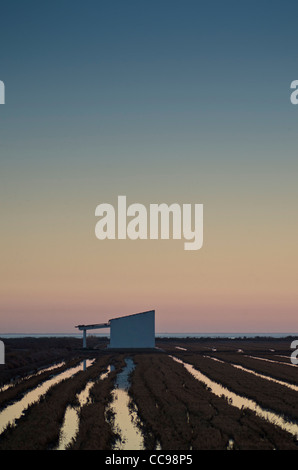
125,417
13,412
230,445
70,426
239,401
257,374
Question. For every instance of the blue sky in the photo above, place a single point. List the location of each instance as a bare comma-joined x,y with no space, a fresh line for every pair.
141,80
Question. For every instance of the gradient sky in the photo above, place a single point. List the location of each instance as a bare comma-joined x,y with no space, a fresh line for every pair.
161,101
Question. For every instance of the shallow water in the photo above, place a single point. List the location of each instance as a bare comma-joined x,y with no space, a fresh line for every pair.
71,422
13,412
230,445
125,416
240,401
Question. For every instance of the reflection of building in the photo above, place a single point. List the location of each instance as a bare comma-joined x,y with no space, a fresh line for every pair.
2,353
131,331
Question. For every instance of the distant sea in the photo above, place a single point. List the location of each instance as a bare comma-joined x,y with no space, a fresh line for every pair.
157,335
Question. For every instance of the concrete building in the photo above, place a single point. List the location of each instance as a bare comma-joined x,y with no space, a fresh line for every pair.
135,331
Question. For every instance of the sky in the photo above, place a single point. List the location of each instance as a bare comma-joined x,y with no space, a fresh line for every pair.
164,102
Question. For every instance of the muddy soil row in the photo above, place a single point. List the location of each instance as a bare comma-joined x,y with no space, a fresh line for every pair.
181,413
39,428
267,394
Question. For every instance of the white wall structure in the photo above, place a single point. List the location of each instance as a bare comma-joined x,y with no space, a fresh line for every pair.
133,331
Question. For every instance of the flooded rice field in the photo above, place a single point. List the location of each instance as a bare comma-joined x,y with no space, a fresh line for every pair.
11,413
188,394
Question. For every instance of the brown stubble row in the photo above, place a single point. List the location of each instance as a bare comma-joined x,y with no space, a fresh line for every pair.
262,347
20,388
39,428
179,412
284,372
269,395
27,355
96,429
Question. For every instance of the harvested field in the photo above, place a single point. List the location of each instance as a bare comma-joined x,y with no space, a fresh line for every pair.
175,410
